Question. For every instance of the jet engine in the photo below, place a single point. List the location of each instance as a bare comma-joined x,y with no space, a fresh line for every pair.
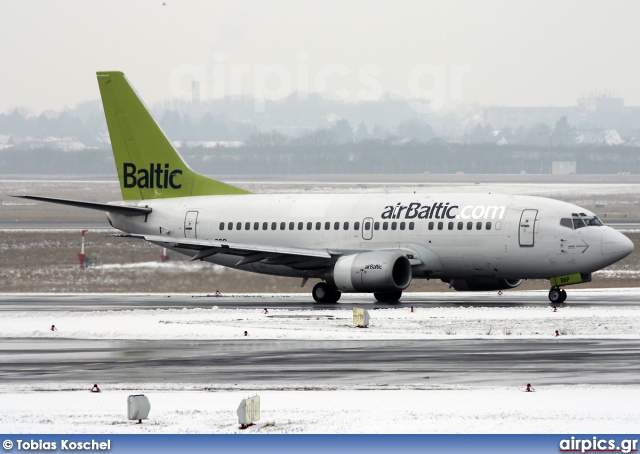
378,271
474,285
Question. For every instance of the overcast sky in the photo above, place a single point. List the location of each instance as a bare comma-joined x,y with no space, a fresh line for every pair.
516,53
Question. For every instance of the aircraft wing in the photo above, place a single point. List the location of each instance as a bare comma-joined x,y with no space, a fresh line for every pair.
249,253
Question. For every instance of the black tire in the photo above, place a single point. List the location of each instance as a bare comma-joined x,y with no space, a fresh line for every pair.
325,293
563,296
388,297
555,296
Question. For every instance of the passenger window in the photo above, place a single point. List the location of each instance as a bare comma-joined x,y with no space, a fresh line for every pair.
292,225
300,225
376,226
336,226
367,225
450,226
239,226
469,225
230,226
356,226
274,225
247,225
265,225
488,226
256,226
430,225
327,225
345,226
283,225
460,225
222,226
394,225
478,225
411,225
403,225
309,225
385,226
318,225
440,225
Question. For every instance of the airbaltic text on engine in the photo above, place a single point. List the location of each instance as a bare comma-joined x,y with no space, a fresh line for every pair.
155,176
441,210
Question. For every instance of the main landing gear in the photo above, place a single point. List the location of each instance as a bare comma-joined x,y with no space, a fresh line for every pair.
557,295
325,293
388,297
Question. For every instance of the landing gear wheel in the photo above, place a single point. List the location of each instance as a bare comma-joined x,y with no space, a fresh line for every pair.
555,295
563,295
388,297
325,293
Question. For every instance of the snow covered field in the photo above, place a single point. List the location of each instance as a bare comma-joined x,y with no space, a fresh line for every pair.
583,409
50,407
463,322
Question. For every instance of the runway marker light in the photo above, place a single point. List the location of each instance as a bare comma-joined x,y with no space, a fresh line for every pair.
248,411
138,407
81,255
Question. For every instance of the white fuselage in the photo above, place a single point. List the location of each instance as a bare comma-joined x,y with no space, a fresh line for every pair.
444,235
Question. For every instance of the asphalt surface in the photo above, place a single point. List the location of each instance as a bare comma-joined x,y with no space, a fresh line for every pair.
384,364
97,302
366,363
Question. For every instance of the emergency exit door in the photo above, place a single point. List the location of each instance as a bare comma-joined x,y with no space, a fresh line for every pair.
367,228
527,228
190,222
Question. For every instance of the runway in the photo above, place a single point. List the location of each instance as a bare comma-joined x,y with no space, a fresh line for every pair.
383,364
115,302
378,363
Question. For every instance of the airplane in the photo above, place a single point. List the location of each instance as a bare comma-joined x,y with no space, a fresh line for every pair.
352,243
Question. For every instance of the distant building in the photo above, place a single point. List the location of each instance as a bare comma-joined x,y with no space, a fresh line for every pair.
598,112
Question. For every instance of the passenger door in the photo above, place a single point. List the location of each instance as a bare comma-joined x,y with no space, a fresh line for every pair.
190,222
527,228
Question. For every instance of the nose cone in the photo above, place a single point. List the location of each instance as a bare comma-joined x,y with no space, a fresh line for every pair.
615,246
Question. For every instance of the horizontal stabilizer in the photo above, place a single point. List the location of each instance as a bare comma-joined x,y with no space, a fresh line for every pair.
120,209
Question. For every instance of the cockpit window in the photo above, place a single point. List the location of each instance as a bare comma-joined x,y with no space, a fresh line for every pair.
566,222
578,221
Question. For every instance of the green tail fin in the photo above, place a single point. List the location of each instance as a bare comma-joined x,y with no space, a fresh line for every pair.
148,165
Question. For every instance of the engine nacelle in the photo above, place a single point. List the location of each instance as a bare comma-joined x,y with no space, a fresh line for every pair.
474,285
379,271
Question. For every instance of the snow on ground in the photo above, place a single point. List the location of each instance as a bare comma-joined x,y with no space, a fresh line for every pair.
52,407
457,322
561,409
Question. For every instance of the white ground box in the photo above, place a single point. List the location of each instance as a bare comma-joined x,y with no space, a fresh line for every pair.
138,407
249,410
360,316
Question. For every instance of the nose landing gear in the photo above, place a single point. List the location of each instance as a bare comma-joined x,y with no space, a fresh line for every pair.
557,295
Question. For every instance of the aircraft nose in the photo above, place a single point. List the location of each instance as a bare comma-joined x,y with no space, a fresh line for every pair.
615,245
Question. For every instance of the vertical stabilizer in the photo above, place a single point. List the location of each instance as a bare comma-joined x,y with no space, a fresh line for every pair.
148,165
